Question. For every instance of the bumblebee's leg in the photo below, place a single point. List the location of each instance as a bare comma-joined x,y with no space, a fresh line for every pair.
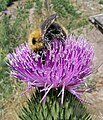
42,56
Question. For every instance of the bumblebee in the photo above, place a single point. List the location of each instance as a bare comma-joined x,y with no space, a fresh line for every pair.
40,38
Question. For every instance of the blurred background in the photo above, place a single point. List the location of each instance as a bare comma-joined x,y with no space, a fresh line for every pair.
19,17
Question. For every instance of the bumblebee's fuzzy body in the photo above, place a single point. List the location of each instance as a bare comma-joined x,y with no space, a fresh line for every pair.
48,31
54,31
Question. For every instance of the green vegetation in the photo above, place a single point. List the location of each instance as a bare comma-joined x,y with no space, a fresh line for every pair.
5,85
82,22
101,2
13,32
72,108
38,6
4,4
28,4
64,8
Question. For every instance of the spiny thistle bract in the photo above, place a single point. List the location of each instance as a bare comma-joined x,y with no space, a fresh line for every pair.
66,66
72,109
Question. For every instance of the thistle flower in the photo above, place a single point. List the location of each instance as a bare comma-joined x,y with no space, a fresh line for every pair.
66,66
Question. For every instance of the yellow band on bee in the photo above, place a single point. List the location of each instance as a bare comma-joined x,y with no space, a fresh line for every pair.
36,34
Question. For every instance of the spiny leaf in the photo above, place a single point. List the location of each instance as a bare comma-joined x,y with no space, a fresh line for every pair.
72,109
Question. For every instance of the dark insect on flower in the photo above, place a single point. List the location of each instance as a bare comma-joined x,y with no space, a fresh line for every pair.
48,31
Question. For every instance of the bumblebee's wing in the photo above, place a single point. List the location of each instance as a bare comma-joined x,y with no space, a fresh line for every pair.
45,25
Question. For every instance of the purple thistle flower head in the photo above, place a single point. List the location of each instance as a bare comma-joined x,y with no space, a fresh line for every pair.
66,66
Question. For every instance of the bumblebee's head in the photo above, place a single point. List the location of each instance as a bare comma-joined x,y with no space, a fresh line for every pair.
35,40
